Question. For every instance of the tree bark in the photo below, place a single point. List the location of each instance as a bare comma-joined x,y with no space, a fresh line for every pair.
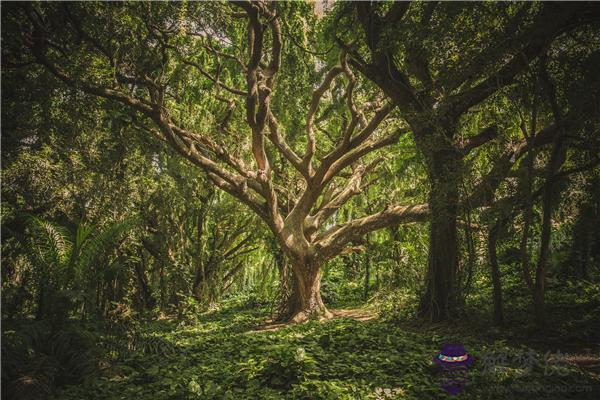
285,275
441,296
305,299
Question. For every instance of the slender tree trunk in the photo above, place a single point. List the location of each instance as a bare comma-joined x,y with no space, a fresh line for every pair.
367,276
199,278
98,296
441,296
204,284
496,280
528,200
550,199
200,271
524,253
527,217
581,252
161,284
305,299
468,275
140,271
395,232
540,274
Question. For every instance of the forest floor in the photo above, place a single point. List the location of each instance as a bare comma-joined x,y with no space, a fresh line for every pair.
228,354
357,314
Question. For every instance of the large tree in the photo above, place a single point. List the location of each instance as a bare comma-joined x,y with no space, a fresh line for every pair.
438,63
174,66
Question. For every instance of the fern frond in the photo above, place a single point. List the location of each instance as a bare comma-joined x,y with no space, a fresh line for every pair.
52,244
99,245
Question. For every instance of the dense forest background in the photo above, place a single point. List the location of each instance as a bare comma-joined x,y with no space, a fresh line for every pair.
250,200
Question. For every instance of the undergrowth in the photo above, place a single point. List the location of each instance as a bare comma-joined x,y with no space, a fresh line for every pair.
220,354
222,357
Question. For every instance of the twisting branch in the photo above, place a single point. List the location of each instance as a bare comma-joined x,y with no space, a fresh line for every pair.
335,200
483,193
382,69
259,88
277,139
359,151
182,140
357,115
340,158
314,105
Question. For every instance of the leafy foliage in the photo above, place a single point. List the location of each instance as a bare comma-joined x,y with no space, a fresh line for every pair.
36,359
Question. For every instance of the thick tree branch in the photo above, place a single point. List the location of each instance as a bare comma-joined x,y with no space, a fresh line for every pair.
278,140
332,241
480,139
314,104
360,151
483,193
382,69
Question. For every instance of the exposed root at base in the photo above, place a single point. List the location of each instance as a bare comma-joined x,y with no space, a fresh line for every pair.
304,316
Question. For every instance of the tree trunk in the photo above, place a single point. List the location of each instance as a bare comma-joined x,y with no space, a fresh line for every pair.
527,213
285,274
367,276
199,279
441,296
146,293
550,199
539,292
581,249
470,267
496,281
305,298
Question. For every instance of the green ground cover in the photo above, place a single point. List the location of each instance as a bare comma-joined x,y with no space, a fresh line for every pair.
223,356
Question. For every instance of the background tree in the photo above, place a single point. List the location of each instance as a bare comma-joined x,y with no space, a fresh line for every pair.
404,50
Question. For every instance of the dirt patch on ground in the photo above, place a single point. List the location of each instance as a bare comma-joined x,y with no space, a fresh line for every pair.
358,314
